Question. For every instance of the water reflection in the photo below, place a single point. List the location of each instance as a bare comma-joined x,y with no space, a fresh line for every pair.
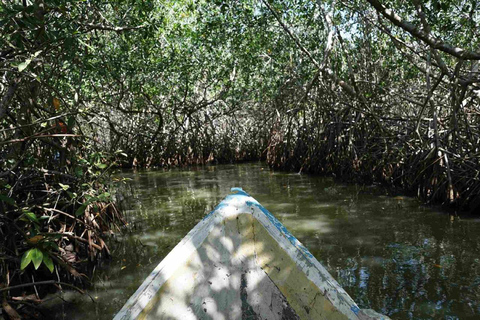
390,254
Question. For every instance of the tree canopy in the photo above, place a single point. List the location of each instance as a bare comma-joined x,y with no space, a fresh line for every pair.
377,91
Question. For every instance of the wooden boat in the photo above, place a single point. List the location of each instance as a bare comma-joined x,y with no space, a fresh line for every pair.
240,262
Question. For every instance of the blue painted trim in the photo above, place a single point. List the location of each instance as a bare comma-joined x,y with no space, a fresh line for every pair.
282,229
239,193
355,309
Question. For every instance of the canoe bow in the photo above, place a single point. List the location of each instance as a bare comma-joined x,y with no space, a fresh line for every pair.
240,262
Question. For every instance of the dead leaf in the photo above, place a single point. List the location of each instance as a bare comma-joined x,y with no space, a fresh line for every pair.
12,313
36,239
56,103
30,297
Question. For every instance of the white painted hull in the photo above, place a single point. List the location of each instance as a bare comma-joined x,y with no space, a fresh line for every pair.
240,262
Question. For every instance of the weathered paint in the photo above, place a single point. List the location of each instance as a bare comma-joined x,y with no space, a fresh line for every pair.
240,262
282,229
221,280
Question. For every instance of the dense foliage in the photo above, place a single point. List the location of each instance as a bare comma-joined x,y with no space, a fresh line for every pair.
376,91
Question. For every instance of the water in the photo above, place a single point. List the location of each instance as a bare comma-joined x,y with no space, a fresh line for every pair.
390,254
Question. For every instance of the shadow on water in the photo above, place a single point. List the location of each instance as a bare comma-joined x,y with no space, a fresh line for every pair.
390,254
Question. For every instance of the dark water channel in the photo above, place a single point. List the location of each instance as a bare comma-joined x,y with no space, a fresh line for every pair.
389,253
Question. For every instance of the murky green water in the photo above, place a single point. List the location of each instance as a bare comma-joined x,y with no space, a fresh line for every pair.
390,254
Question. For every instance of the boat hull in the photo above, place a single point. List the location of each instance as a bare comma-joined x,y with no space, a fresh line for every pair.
240,262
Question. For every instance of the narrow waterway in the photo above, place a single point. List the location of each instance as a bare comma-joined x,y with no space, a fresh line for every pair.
391,254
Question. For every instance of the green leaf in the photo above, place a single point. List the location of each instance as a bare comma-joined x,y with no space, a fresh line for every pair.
52,245
22,66
26,258
81,209
31,216
7,199
37,257
78,172
104,196
101,165
48,262
64,186
70,122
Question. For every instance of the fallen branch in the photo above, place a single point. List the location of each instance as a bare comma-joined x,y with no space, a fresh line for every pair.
40,136
71,236
24,285
11,312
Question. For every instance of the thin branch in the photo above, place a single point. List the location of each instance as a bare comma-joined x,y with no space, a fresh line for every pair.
6,99
294,37
39,137
41,283
325,71
423,34
115,29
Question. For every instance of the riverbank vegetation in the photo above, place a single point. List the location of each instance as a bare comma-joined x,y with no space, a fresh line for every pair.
372,91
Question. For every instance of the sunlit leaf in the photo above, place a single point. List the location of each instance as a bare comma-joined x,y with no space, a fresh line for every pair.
37,257
104,196
26,258
48,262
101,165
31,216
22,66
64,186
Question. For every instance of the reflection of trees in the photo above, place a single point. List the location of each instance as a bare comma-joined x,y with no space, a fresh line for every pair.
396,260
424,270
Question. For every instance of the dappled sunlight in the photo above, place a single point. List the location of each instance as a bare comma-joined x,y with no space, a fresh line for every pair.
315,206
322,219
278,206
209,286
240,255
356,230
379,92
318,225
157,235
367,240
283,215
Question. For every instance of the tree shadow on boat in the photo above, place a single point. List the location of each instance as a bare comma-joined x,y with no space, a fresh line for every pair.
223,279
